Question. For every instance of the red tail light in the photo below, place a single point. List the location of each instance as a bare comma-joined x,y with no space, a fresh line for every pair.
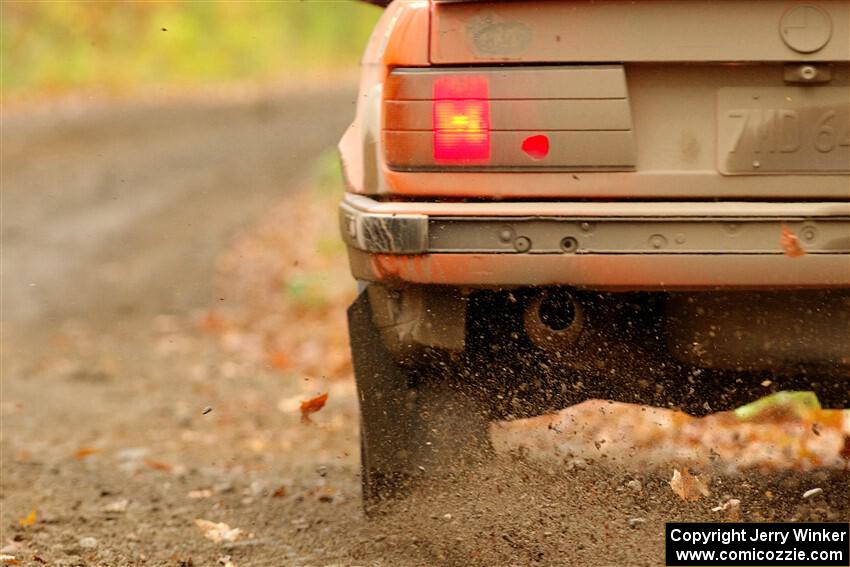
507,118
461,120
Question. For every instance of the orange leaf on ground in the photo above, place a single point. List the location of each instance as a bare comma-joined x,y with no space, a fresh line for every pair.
202,493
278,360
655,437
312,406
29,520
218,531
84,452
688,486
790,243
157,465
213,323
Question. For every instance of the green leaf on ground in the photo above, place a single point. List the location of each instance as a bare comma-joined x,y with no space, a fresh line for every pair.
797,403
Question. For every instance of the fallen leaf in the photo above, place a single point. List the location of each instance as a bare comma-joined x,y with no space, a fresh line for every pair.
218,532
789,405
279,360
213,323
688,486
791,246
312,406
325,494
29,520
279,493
117,507
199,494
84,452
732,507
13,548
774,434
157,465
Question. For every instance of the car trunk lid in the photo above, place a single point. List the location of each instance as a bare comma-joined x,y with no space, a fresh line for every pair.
645,31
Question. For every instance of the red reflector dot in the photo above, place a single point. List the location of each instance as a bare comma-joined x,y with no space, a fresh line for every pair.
537,147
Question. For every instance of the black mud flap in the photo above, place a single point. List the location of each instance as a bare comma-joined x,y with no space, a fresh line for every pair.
387,406
416,423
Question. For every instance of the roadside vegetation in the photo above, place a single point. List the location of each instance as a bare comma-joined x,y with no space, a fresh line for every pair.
288,286
56,47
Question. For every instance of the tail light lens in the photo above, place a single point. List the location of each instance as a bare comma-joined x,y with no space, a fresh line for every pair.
567,118
461,120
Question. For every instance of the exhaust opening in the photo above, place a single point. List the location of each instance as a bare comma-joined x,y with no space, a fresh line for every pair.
554,320
557,311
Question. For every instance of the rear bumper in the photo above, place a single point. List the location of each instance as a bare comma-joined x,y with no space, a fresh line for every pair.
617,245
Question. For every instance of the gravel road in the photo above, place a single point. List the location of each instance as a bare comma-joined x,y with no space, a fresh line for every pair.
123,423
119,210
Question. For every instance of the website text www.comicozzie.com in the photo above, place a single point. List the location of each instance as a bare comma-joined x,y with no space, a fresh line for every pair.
774,555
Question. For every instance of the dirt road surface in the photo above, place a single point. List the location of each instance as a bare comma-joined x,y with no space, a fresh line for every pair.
124,422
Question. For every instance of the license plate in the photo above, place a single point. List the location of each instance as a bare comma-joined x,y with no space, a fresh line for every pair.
773,130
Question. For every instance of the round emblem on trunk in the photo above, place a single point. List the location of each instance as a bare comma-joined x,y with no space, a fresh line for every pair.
805,28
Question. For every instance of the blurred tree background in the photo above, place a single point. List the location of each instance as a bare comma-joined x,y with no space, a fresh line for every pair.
49,47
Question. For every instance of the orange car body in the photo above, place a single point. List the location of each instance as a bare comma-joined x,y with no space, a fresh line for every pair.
700,130
555,200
